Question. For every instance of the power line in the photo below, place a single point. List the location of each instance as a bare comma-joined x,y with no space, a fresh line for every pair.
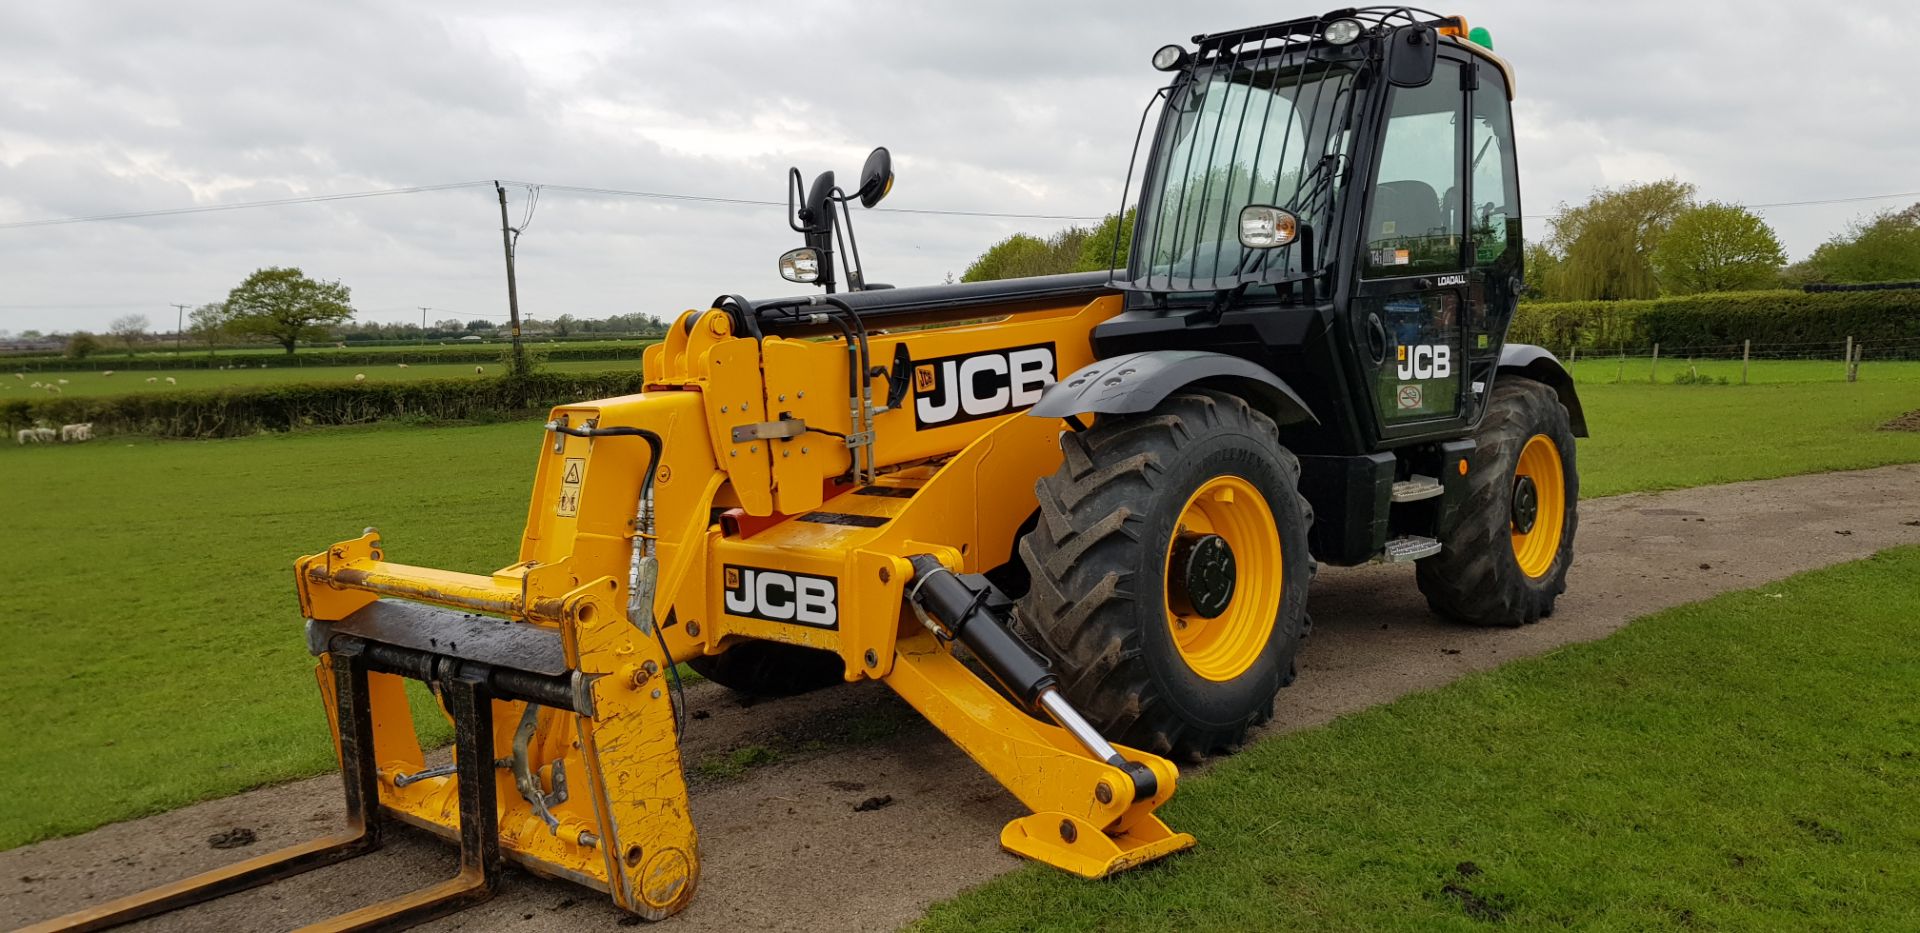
535,188
532,186
237,205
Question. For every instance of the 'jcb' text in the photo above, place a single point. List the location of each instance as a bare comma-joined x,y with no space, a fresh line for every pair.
953,389
1425,361
778,596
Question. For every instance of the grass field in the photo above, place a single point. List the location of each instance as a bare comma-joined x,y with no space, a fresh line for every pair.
148,612
123,383
1721,766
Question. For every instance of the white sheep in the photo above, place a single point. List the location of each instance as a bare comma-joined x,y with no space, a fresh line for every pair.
403,366
359,377
107,373
56,390
152,379
479,370
64,382
76,432
36,384
172,381
35,435
20,376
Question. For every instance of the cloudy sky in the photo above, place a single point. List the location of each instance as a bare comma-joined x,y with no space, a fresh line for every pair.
988,106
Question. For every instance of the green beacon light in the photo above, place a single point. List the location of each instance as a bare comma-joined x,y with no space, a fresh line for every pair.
1481,37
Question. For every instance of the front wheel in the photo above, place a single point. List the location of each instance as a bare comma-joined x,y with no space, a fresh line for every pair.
1170,573
1505,559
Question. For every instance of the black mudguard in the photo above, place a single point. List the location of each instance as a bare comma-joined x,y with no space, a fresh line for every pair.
1522,359
1136,382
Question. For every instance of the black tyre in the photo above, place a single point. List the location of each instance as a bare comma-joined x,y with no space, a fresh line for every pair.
771,669
1169,573
1505,559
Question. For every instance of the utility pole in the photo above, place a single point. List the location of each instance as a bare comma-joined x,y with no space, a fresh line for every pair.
423,320
180,324
507,234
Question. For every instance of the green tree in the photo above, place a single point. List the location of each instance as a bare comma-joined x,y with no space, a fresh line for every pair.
1881,248
1097,252
129,328
1073,249
1543,271
284,305
1717,248
81,344
1607,244
209,323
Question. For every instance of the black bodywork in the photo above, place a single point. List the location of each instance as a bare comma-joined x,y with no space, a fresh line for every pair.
1376,337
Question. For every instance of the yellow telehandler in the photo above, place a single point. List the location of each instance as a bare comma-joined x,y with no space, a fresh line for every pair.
1070,519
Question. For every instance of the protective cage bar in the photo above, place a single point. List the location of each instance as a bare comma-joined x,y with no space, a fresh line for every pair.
469,701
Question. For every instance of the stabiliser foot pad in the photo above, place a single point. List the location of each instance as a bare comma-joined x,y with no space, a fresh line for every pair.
1072,844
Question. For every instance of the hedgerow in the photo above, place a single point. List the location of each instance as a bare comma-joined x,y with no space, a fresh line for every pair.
483,353
251,410
1889,320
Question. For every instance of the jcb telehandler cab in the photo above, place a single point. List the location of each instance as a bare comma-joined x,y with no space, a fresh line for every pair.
1111,489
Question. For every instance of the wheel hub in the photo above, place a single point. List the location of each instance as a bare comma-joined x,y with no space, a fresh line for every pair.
1526,504
1203,575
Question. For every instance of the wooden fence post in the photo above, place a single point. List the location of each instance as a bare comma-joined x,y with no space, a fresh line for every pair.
1853,364
1653,375
1746,356
1846,359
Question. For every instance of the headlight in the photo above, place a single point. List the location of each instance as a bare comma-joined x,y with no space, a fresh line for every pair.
800,265
1341,31
1265,227
1169,57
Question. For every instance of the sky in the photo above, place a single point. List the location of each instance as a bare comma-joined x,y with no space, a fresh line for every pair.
987,106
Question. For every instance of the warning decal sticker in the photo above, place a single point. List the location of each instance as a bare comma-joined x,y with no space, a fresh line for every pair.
569,504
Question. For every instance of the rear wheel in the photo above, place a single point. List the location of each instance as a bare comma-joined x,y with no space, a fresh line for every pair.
1169,573
1505,559
770,668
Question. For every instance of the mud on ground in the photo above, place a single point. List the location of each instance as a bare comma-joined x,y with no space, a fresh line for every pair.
843,810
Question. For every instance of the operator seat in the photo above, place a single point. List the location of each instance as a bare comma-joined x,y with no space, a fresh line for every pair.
1404,210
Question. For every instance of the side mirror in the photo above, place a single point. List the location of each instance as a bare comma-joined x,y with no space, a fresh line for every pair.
876,177
800,265
1410,55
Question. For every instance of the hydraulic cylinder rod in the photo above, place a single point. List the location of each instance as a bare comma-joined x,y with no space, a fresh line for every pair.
970,613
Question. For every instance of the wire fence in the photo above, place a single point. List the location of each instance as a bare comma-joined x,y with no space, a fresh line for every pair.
1747,362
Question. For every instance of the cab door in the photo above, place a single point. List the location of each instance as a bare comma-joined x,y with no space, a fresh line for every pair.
1495,271
1407,309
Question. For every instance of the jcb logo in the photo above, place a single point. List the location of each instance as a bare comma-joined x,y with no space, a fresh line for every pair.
954,389
778,596
1425,361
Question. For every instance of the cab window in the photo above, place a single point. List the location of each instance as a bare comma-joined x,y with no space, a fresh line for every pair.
1414,217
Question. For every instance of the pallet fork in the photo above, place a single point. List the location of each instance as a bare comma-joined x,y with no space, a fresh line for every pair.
468,696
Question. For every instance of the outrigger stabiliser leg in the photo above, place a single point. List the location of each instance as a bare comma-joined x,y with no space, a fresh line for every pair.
467,690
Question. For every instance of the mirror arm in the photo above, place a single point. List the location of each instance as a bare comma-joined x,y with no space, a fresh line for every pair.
795,193
849,246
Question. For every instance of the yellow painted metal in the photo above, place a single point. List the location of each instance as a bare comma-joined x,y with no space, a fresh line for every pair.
1043,766
1223,647
1536,549
956,489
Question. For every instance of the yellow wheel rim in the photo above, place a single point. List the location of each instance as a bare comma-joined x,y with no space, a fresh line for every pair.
1224,646
1537,531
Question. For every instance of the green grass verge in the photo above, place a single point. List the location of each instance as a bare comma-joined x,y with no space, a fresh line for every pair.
1747,763
1650,437
154,647
135,381
149,611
